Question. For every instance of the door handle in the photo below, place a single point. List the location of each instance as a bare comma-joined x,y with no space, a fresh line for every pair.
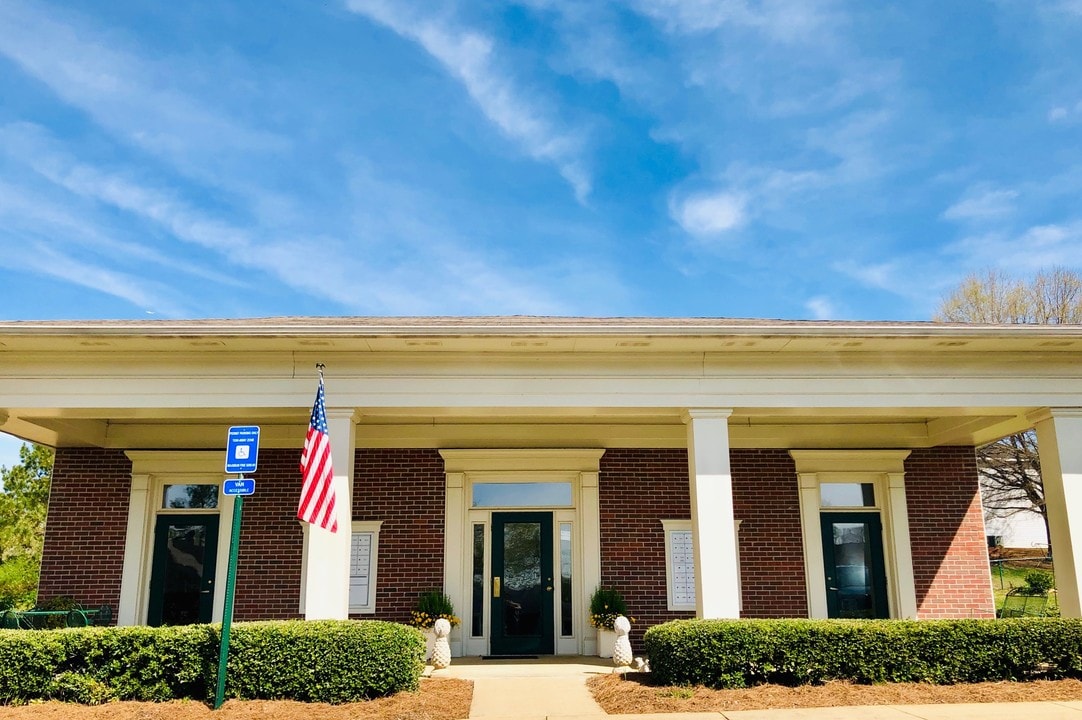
495,586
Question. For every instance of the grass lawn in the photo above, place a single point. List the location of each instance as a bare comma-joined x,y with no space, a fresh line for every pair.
1010,572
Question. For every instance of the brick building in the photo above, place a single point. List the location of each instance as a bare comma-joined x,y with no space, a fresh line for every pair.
720,468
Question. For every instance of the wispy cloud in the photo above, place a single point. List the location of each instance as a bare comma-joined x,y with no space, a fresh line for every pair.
1035,248
124,92
983,202
471,57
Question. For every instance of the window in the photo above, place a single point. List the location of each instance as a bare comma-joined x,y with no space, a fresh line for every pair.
522,494
848,494
189,497
364,547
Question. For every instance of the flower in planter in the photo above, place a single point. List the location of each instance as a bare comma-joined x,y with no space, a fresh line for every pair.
606,604
431,606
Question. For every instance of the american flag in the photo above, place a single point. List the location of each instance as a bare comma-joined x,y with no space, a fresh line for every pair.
317,489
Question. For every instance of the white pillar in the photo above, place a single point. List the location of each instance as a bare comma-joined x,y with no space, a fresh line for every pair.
717,586
135,540
1059,440
456,576
326,565
904,580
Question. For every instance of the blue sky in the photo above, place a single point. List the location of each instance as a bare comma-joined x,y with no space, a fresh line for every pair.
778,159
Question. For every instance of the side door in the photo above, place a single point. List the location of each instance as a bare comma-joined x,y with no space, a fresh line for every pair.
853,561
182,573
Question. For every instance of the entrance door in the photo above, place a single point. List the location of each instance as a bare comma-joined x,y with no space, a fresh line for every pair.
182,576
853,559
522,597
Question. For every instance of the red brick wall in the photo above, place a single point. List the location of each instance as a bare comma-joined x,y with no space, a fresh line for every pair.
269,560
83,556
766,499
950,554
405,489
639,488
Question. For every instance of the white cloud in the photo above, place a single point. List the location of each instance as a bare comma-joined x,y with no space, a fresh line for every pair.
709,214
982,203
821,308
471,57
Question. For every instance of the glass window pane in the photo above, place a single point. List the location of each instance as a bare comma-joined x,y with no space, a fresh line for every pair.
566,624
521,494
190,496
477,620
847,495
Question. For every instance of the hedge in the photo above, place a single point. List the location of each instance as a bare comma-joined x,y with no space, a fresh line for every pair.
326,661
742,653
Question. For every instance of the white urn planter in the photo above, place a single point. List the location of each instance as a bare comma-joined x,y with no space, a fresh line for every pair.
606,641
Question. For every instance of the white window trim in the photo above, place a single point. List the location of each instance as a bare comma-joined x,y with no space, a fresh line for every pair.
152,470
884,468
371,527
671,526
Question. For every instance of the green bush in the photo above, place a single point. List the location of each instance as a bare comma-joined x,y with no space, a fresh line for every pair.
741,653
606,604
327,661
78,688
1038,582
18,583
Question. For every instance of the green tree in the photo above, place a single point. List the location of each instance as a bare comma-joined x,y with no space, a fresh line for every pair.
24,501
1011,467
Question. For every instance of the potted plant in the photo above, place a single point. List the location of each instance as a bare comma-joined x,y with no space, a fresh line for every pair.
606,604
431,606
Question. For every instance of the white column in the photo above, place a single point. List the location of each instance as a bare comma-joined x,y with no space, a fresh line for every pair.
1059,439
815,577
456,576
135,541
590,520
717,586
905,583
326,565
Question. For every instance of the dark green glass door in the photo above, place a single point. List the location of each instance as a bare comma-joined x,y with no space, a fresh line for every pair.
182,574
522,587
853,559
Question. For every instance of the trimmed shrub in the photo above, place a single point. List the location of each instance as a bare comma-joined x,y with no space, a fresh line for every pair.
326,661
28,662
78,688
741,653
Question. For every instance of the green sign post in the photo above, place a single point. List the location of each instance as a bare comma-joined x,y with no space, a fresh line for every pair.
242,451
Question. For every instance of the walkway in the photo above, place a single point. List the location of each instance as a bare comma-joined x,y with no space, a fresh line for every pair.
554,688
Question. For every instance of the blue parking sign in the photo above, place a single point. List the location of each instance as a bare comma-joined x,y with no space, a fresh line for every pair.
242,449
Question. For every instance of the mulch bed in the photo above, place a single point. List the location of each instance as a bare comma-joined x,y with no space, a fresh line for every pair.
635,694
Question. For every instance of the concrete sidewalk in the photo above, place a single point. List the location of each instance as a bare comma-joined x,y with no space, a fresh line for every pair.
554,688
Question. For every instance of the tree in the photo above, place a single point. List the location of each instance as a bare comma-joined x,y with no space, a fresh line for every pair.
24,500
1011,467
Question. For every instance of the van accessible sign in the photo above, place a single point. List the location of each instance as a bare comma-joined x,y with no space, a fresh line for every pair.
242,449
